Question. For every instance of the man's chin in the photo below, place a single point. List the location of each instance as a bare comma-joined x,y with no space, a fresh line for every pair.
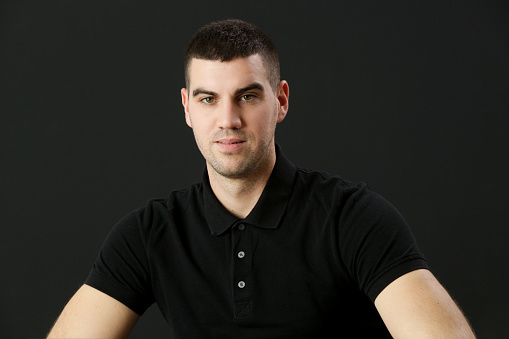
232,173
231,169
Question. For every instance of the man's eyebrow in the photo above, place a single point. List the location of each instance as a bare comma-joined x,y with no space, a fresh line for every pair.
203,91
254,85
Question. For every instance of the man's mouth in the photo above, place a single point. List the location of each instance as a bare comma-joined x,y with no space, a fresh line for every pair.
230,141
230,145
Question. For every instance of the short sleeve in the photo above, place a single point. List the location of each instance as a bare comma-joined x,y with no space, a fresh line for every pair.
122,269
376,243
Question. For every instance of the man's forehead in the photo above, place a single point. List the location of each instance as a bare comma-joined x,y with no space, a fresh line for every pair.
236,72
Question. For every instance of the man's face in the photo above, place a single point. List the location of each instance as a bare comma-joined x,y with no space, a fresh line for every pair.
233,112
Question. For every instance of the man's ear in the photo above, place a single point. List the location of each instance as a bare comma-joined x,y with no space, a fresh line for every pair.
283,95
185,103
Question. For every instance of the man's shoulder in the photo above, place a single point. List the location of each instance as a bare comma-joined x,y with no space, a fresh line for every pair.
176,202
332,189
325,179
177,198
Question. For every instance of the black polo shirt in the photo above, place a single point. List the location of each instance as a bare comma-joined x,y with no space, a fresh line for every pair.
307,262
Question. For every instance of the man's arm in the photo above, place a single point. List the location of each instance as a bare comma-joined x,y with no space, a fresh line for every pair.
92,314
416,306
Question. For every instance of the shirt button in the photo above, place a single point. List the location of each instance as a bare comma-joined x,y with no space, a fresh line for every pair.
241,254
242,227
241,284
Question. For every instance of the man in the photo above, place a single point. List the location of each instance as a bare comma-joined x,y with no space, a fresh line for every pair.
259,248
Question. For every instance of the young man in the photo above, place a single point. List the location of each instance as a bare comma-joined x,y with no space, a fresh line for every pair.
259,248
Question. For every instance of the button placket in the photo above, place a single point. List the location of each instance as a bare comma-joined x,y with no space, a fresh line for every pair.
242,271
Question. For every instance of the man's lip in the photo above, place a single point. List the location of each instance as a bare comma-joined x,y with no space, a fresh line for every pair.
229,141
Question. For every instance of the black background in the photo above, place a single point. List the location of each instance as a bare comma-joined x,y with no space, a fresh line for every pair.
411,97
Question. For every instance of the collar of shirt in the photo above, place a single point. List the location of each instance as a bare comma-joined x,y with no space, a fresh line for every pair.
269,209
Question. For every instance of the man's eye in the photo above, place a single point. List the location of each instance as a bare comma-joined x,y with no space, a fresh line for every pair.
247,97
208,100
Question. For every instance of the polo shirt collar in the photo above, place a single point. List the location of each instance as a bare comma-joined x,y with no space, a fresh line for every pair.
269,209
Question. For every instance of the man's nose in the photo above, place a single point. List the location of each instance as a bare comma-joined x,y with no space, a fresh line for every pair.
229,115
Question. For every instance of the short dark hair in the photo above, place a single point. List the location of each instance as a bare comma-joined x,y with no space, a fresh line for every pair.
230,39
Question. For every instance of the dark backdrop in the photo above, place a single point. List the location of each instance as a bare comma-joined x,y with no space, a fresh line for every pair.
408,96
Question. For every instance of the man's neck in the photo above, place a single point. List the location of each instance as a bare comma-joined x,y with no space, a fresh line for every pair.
240,195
